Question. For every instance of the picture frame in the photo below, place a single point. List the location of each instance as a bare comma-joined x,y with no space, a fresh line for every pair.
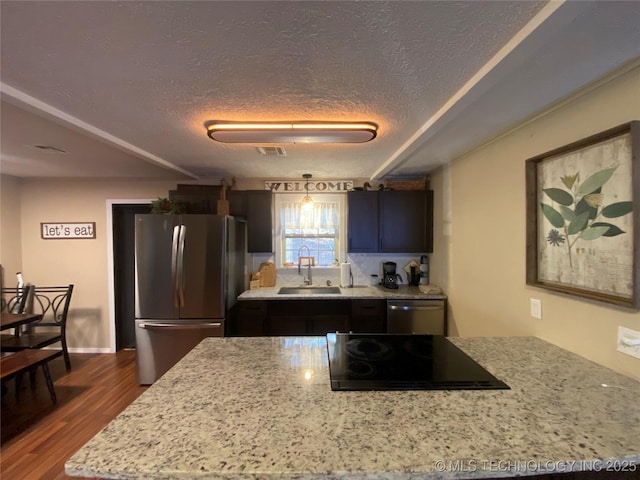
583,217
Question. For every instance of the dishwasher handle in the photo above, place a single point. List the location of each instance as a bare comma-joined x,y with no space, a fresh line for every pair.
173,326
411,308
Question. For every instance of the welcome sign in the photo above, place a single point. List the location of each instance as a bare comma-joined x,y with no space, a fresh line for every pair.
322,186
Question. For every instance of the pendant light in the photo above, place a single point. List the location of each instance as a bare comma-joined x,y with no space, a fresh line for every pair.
307,201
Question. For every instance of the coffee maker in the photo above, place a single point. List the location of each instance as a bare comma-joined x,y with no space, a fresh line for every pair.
389,276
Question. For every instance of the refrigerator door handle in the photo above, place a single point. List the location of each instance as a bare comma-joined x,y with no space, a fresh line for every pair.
174,264
181,239
173,326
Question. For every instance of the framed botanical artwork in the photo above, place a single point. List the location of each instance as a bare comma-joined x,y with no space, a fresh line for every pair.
583,217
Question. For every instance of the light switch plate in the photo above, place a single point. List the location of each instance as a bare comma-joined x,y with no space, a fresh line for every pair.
628,341
536,308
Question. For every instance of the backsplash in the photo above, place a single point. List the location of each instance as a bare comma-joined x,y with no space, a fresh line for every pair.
363,265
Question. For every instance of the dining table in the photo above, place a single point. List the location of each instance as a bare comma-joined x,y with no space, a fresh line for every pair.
14,320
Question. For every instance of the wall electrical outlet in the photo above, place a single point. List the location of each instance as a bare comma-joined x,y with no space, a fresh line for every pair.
629,341
536,308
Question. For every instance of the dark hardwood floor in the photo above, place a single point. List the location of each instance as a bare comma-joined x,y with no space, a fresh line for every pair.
38,436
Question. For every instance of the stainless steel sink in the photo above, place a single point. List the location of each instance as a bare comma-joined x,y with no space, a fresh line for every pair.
308,290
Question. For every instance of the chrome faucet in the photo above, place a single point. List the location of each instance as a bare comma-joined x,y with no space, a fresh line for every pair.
307,279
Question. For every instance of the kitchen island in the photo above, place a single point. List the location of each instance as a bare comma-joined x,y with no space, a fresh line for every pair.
248,408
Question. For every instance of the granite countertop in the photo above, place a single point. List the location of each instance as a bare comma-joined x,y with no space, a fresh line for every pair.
360,291
262,407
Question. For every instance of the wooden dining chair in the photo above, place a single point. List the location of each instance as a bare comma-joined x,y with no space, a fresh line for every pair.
53,304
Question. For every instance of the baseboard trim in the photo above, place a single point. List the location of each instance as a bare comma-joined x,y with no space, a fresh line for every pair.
83,349
90,350
80,350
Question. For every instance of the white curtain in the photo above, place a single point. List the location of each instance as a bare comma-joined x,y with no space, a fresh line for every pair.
323,215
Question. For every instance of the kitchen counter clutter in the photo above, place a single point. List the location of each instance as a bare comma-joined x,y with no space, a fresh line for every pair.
358,292
245,408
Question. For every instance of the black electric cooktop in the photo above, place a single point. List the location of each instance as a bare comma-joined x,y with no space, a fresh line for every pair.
403,362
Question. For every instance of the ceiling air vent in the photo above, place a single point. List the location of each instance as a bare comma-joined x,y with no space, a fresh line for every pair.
272,151
49,148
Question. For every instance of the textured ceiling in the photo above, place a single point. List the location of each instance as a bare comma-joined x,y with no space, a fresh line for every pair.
142,78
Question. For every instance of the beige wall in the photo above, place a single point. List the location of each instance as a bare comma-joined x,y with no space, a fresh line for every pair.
486,250
10,229
81,262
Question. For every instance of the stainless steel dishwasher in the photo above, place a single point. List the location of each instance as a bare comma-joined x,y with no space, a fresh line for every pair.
417,316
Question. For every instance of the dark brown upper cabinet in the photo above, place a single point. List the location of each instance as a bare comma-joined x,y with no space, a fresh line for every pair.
252,205
259,221
362,226
390,221
197,199
255,207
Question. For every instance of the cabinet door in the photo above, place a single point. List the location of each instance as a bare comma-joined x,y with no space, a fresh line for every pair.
404,217
259,223
198,199
237,200
246,327
323,324
368,316
285,325
362,225
247,319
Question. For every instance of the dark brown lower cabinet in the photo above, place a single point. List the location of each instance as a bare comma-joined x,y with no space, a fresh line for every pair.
306,317
285,325
247,319
368,316
323,324
252,318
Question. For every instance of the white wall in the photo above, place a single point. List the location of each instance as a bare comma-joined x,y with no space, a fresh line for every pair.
486,248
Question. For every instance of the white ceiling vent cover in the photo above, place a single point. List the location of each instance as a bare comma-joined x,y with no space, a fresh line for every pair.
272,151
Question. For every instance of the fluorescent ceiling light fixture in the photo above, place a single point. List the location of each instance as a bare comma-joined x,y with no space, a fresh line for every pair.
292,132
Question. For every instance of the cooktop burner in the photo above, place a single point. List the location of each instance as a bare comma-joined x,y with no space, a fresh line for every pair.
403,362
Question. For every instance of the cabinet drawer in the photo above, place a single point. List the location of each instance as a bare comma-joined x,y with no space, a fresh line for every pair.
368,308
252,308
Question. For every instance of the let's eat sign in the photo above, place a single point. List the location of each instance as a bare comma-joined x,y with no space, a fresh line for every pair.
68,230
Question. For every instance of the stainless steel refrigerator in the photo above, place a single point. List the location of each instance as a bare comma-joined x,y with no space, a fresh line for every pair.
189,271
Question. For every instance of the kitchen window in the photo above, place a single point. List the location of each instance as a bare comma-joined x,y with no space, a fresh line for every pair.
317,227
